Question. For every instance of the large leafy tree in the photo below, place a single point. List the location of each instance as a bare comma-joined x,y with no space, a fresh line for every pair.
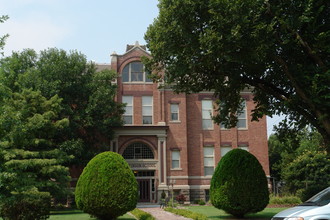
308,173
300,161
87,95
278,49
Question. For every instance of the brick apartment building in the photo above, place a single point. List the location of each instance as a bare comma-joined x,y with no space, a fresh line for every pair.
168,139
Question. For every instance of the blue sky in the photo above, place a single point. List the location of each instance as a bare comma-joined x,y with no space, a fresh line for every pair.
95,28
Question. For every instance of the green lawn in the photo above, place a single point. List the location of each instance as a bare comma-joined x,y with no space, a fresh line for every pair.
214,213
79,215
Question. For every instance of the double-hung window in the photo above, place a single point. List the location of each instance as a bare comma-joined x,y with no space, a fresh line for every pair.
242,117
207,110
174,112
128,115
175,159
208,160
147,109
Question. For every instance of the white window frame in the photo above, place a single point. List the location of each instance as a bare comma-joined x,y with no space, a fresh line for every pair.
128,105
174,159
144,73
171,112
207,156
143,111
242,116
205,115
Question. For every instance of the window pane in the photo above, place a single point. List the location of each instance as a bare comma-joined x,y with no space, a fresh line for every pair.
208,161
174,117
207,114
128,120
175,155
242,114
136,76
207,123
175,164
174,108
128,110
208,171
241,123
207,104
136,67
225,150
208,151
147,100
147,110
147,119
128,100
243,104
125,74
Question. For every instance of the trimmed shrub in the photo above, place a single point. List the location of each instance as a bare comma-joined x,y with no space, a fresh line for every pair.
284,200
239,184
30,205
187,213
201,202
142,215
107,187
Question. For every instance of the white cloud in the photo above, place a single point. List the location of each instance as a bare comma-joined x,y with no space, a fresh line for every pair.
37,32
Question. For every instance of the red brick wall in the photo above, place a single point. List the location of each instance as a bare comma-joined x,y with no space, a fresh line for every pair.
187,135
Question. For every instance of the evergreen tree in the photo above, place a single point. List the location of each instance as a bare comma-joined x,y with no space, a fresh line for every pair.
31,163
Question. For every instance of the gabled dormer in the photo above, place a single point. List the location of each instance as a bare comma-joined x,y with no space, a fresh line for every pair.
129,65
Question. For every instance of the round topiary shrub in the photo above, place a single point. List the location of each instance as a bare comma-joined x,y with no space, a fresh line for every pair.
239,184
107,187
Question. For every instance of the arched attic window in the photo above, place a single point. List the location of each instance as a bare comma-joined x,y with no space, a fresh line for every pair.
135,72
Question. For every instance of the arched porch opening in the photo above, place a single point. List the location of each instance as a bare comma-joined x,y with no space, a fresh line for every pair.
141,159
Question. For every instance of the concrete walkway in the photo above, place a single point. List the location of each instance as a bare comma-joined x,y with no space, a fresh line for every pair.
160,214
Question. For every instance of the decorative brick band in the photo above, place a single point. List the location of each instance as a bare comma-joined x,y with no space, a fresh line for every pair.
209,143
138,93
174,102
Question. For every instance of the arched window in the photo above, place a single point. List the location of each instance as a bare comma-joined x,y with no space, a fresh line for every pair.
135,72
138,151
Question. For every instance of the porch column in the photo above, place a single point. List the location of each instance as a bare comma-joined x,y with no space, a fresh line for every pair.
162,162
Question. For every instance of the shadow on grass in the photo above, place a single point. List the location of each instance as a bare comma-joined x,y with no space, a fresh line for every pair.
66,212
74,214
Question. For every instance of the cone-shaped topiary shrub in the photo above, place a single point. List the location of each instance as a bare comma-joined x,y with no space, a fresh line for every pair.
239,184
107,187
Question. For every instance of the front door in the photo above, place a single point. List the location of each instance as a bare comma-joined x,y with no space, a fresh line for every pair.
144,193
